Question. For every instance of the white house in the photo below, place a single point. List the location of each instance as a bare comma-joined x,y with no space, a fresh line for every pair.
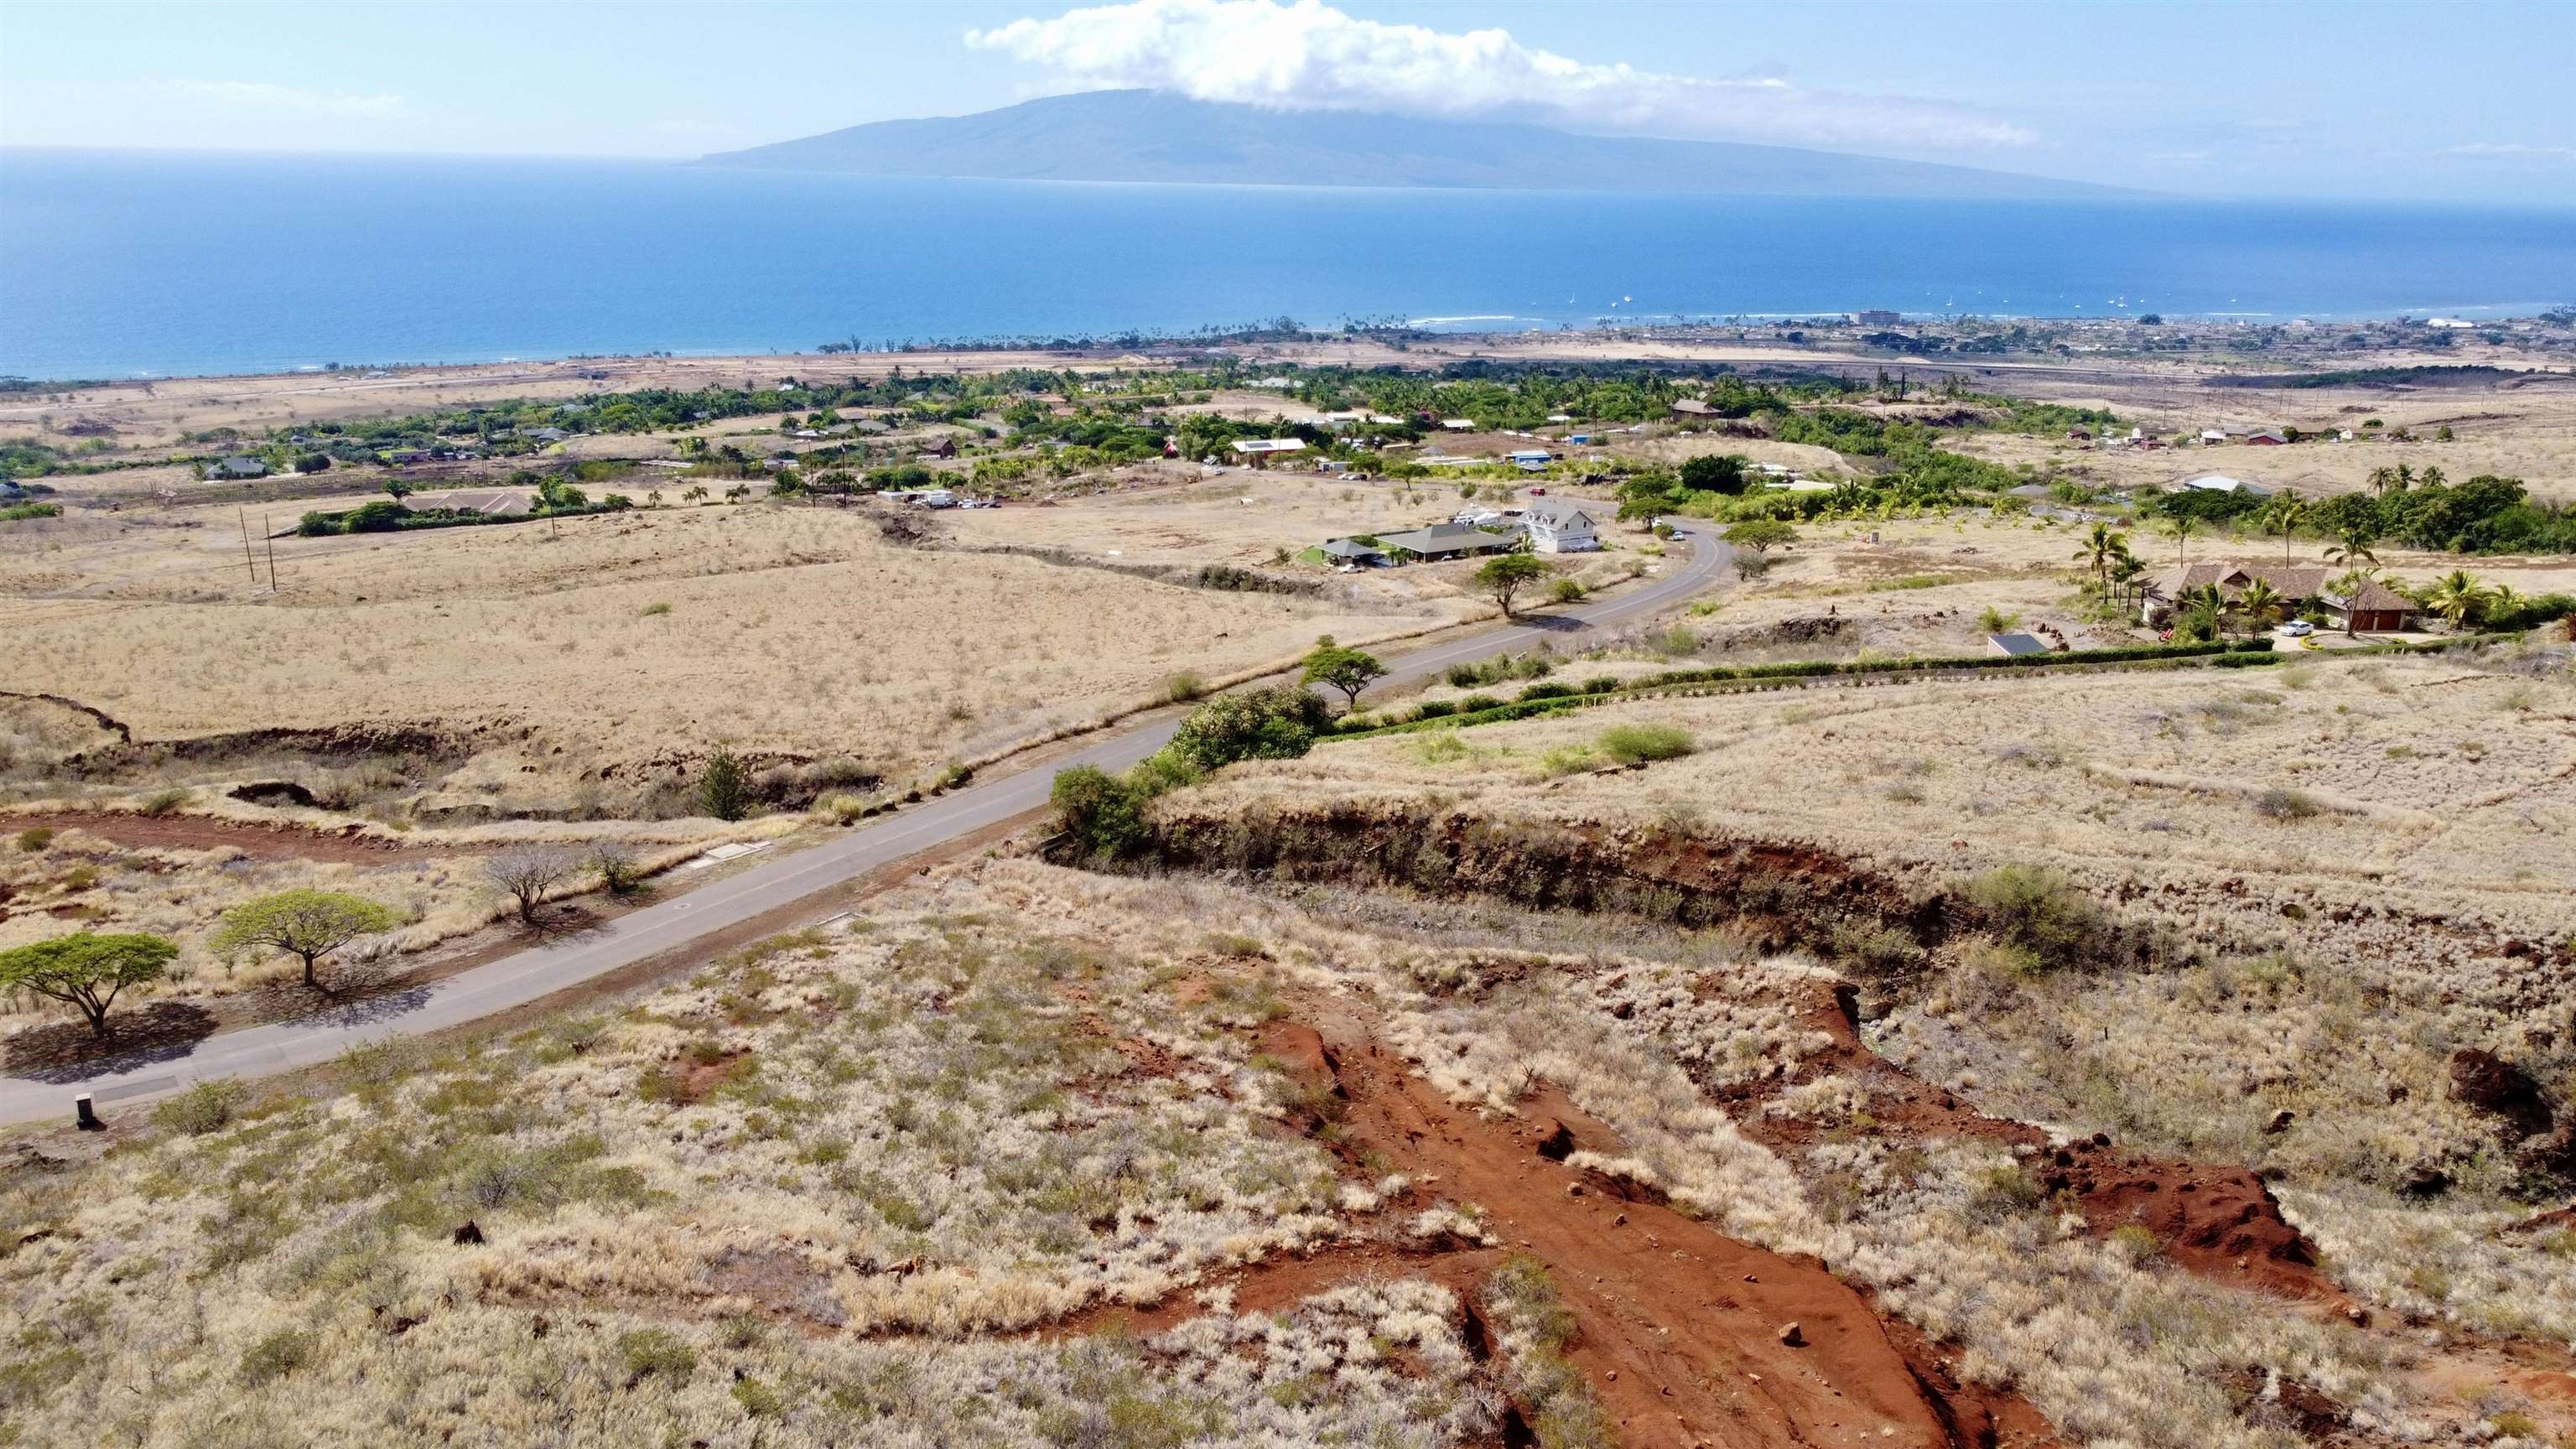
1459,425
1559,527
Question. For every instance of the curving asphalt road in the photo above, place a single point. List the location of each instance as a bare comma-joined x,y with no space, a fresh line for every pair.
517,980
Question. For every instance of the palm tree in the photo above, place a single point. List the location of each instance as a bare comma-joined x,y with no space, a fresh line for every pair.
2100,547
2431,477
2199,611
2182,527
2457,597
2260,603
2380,479
2282,516
2353,551
2504,601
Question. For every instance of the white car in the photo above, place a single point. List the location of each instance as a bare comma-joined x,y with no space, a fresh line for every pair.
2297,629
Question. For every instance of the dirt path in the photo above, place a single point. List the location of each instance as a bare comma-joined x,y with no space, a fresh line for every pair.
264,842
1682,1330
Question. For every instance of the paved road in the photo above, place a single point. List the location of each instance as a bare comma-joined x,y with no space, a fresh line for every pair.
516,980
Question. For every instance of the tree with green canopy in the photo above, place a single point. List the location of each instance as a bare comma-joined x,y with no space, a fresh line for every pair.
2282,516
1505,575
2458,597
86,970
1760,534
305,924
1348,670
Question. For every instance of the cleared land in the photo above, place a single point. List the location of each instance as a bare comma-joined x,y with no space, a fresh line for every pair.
523,651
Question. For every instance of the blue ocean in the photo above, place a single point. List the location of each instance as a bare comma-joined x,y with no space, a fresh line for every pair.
122,264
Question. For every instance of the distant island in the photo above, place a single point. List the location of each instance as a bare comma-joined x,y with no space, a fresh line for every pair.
1136,135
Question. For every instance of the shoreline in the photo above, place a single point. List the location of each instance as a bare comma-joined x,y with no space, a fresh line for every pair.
1132,350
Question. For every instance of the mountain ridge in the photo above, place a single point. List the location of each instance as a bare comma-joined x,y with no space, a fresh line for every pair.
1152,136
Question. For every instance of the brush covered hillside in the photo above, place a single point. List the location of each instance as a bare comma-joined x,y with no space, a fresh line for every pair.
1137,135
2176,1058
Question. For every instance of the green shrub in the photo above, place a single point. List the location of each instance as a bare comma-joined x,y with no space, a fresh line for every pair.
1278,723
203,1108
2038,911
758,1399
1547,691
2278,803
1568,591
1632,743
162,802
1476,703
651,1351
1183,687
1601,684
1435,709
1104,812
34,839
276,1356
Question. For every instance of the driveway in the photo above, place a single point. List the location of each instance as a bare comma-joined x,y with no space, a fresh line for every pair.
517,980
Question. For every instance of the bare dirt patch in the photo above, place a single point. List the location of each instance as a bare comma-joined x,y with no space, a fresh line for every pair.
1683,1332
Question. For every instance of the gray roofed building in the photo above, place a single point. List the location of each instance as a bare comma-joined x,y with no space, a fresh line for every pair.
2015,645
1444,540
240,466
1351,550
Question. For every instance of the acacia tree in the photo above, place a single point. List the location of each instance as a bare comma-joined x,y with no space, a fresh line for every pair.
305,924
527,872
1348,670
86,970
1505,575
1760,534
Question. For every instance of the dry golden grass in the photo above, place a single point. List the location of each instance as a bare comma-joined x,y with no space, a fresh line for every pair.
621,643
789,1202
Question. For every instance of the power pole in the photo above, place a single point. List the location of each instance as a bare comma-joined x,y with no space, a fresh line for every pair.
247,561
272,552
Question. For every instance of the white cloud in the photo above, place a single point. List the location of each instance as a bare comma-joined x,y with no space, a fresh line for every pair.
2513,151
265,95
1310,56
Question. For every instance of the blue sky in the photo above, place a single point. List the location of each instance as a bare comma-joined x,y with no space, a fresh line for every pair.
2438,101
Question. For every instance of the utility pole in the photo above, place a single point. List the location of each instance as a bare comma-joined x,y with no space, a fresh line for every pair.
247,561
272,552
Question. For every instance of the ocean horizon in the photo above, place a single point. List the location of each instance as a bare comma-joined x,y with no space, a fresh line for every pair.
126,264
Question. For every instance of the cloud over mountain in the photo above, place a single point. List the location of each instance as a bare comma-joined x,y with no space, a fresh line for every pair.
1311,56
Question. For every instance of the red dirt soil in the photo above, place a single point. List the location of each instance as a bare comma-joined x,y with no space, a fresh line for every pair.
1680,1327
2221,1222
267,842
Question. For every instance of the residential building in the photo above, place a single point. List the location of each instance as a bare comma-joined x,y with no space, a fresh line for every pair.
238,466
1557,526
1443,541
1874,317
2372,607
1261,450
1345,550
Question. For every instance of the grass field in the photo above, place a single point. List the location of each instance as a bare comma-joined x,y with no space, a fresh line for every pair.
584,663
